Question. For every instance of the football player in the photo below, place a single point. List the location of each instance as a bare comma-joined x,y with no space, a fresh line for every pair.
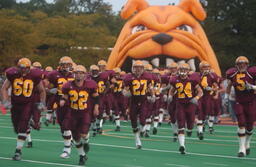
188,93
242,77
78,96
23,81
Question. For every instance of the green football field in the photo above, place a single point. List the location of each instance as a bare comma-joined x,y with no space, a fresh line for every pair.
117,149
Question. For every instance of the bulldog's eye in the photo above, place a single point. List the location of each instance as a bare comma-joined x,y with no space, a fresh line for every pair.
185,28
138,28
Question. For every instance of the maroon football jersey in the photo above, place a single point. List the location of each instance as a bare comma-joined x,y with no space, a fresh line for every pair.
239,80
208,81
156,83
80,97
118,86
23,87
57,79
138,85
102,79
185,88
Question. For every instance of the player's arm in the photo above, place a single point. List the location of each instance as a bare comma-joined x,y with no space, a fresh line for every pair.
228,89
199,92
42,92
95,96
4,90
126,91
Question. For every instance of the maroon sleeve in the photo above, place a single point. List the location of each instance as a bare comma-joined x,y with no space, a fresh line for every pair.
230,73
50,76
127,80
92,86
172,81
11,73
252,71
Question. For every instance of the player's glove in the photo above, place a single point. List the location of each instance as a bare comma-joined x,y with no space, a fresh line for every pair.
41,106
250,86
126,93
53,91
169,99
226,99
208,88
7,104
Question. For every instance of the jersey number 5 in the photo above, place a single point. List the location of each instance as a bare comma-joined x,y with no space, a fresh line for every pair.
23,87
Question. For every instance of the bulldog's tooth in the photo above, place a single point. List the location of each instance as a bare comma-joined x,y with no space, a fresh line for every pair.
191,62
169,61
181,62
155,62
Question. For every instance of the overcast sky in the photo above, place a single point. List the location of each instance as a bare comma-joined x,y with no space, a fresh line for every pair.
117,4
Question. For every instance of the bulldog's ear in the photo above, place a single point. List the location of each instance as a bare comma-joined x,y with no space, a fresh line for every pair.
133,6
195,7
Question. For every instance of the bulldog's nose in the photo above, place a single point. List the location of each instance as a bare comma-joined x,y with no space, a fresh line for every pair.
162,38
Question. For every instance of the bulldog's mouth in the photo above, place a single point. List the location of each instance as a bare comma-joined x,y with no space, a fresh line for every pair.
160,61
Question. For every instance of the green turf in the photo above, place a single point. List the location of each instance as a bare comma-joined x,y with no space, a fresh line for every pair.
117,149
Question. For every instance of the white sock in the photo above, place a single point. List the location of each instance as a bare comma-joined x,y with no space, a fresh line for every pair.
210,121
67,142
174,128
101,122
48,116
117,120
242,140
248,139
20,142
200,126
86,139
80,150
29,139
181,138
161,115
137,138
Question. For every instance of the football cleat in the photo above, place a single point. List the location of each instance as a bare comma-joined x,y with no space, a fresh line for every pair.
65,155
17,155
46,122
200,136
138,146
240,154
175,137
100,131
248,151
182,150
86,147
146,134
82,159
154,131
211,130
94,134
117,129
159,124
189,133
29,145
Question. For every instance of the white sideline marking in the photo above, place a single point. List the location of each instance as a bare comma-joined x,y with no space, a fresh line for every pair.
153,136
176,165
41,162
145,149
132,166
215,164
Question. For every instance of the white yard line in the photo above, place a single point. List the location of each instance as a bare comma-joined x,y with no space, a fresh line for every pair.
41,162
176,165
215,164
145,149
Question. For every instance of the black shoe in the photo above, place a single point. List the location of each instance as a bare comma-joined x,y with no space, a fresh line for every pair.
200,136
248,151
54,120
146,134
182,150
86,147
118,129
94,134
189,133
29,145
141,134
175,137
159,124
82,159
100,131
154,131
138,146
240,154
211,130
203,128
46,123
17,155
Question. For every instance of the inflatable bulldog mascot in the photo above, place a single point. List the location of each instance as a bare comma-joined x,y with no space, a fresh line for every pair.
162,34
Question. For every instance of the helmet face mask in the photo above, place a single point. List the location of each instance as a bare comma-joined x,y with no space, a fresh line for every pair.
95,73
205,70
79,75
173,71
65,67
24,70
137,70
242,66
